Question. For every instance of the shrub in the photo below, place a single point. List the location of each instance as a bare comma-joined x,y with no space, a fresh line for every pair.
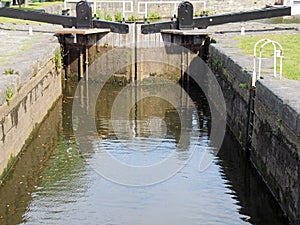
118,16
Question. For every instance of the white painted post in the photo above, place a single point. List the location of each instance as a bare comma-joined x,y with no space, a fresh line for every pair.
175,10
254,75
146,9
123,13
243,31
275,62
259,63
30,31
95,8
280,72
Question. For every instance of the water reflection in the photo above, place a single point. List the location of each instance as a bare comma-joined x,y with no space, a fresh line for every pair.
27,175
247,186
55,183
134,132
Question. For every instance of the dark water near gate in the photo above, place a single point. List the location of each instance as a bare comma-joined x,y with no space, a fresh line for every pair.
55,183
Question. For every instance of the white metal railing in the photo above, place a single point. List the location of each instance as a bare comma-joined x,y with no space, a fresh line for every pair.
277,53
175,4
125,4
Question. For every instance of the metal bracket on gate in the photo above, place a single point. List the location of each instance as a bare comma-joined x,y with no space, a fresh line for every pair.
185,16
84,15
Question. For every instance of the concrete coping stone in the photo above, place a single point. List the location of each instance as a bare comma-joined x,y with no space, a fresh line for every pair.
283,98
82,31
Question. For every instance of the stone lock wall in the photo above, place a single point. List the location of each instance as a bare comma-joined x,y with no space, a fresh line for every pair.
275,148
234,82
276,141
27,108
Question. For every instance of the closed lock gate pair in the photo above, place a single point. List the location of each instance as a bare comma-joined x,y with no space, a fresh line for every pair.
184,21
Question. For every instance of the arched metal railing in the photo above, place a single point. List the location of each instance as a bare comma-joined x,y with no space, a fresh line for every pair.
277,52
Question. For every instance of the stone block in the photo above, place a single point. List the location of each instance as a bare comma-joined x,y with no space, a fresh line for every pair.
3,88
298,126
289,117
270,99
1,132
7,124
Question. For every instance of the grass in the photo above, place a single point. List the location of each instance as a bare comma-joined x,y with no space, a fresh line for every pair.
6,20
118,17
10,71
26,45
153,17
132,18
31,6
99,14
35,5
108,17
283,20
9,94
291,51
58,60
203,13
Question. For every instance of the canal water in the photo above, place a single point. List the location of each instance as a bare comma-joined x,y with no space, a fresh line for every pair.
56,182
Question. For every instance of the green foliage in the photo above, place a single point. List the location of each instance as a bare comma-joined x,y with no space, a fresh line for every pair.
108,17
9,93
203,13
35,4
289,42
11,162
283,20
31,6
66,167
58,60
132,18
99,14
118,16
10,71
6,3
279,122
153,16
244,85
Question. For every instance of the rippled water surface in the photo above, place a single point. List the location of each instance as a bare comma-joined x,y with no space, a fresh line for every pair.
55,182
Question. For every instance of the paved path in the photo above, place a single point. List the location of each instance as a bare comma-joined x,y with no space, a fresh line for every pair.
23,53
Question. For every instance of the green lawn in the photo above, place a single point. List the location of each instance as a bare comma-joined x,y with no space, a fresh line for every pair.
31,6
36,5
291,51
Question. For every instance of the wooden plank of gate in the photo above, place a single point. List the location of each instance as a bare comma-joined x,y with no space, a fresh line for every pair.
82,31
186,32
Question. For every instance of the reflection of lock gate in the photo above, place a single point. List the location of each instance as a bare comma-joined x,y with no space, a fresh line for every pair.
184,19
